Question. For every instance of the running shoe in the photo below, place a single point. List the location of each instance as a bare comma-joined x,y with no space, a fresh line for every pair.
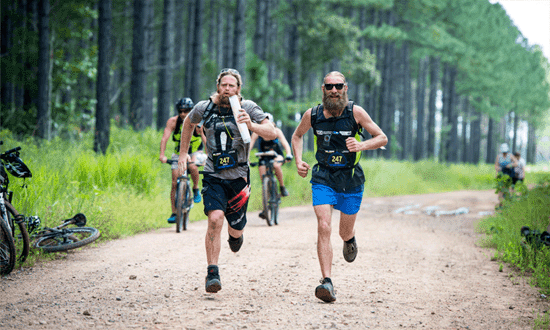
325,291
284,192
235,243
350,250
262,215
213,283
196,196
172,218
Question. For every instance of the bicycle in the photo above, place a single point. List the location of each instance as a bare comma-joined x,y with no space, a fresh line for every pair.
270,195
60,238
13,222
184,201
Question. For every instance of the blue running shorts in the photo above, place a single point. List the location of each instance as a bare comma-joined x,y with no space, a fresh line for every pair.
348,202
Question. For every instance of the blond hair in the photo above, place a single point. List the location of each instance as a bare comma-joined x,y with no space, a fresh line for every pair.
335,73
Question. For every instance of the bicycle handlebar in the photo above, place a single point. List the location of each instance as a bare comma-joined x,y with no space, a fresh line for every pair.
4,154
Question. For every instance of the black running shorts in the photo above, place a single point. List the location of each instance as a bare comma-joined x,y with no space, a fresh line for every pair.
230,196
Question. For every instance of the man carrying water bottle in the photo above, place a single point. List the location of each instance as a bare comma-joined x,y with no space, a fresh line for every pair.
226,177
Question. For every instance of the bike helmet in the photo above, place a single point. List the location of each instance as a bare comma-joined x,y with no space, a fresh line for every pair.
269,116
185,103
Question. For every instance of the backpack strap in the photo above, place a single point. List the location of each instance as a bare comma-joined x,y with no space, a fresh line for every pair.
314,112
207,113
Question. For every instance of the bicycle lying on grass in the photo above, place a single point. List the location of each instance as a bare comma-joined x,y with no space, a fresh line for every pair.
270,194
60,238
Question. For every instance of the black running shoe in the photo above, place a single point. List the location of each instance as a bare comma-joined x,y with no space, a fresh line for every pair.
350,250
213,283
284,192
262,215
325,291
235,243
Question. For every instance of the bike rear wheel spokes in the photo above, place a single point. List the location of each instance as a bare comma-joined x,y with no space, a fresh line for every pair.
66,239
266,197
19,233
7,249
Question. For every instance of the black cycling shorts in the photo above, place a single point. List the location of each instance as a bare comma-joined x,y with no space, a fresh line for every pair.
230,196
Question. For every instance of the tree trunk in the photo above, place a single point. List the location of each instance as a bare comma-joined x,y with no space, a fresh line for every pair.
7,79
178,61
514,140
150,60
531,156
102,128
139,76
195,85
189,51
491,154
475,137
432,99
465,150
43,102
407,103
166,60
420,146
260,31
453,146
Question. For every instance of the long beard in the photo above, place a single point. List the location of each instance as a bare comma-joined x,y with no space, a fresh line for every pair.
335,106
224,100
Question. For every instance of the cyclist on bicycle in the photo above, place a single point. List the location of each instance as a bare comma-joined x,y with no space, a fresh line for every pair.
275,145
173,127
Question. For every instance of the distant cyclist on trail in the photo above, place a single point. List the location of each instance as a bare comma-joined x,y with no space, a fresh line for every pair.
275,145
337,179
226,175
173,127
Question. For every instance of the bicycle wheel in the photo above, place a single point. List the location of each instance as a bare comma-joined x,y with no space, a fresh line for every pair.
180,198
7,249
19,232
66,239
187,206
266,198
274,202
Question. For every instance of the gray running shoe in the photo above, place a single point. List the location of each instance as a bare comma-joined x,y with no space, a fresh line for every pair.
213,283
325,291
350,250
235,243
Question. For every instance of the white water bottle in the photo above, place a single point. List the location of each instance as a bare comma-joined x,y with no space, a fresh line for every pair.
243,129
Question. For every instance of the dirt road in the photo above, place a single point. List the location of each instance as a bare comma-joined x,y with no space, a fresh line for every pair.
413,271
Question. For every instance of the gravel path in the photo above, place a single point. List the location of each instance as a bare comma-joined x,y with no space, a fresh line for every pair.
413,271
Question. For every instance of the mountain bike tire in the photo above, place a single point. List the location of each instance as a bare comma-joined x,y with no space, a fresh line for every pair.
71,238
274,203
7,249
182,210
266,197
19,232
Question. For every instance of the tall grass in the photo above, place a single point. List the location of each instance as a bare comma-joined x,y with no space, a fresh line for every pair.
127,190
525,207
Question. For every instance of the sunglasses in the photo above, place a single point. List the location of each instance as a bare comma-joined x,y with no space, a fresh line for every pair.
232,71
328,87
184,110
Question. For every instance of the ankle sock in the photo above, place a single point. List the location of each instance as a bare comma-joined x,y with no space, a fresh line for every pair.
351,240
